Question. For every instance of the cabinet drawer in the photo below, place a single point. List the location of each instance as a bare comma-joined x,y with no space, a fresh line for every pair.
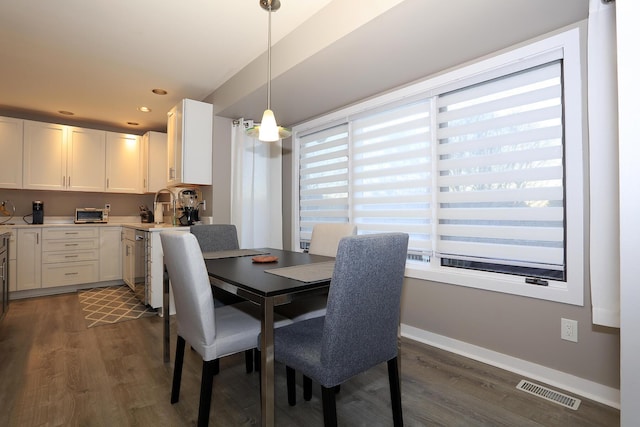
70,245
51,257
69,273
79,232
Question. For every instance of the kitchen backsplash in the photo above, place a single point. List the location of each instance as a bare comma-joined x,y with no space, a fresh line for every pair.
64,203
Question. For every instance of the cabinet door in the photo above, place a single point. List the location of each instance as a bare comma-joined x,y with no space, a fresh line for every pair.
85,159
29,259
11,148
123,163
155,144
174,149
45,156
110,249
128,263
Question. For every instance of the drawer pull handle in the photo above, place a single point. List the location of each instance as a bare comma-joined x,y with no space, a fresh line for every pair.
71,256
71,274
71,244
71,232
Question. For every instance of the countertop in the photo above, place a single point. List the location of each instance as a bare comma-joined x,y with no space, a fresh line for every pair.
130,222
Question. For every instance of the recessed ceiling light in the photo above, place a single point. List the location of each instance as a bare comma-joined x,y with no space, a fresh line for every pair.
159,91
66,113
133,124
144,109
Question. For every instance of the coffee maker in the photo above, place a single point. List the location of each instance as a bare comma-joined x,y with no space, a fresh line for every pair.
38,212
189,202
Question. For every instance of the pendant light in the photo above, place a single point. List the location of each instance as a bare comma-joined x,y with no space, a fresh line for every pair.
268,130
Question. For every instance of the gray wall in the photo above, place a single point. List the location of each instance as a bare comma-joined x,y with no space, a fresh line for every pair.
395,49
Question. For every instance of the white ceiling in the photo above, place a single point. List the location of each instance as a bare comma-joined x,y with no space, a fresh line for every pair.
101,59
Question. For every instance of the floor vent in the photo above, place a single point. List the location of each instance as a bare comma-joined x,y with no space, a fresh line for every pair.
547,393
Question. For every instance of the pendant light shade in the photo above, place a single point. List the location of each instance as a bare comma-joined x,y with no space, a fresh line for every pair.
269,131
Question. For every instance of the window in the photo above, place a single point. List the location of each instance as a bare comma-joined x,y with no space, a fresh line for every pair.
481,166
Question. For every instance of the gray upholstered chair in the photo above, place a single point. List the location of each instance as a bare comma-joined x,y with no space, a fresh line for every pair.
324,241
216,237
212,332
360,329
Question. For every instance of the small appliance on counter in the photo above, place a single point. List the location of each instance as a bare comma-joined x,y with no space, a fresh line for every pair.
189,201
146,216
38,212
91,215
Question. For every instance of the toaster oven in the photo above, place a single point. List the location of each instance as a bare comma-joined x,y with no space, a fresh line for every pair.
91,215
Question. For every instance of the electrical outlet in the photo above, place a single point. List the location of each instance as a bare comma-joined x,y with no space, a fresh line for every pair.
107,206
569,329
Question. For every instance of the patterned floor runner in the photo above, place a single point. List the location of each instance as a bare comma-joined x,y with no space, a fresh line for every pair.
113,304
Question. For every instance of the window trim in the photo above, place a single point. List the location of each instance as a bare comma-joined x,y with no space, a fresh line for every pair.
567,44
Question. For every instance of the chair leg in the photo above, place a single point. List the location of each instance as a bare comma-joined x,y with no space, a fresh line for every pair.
206,391
394,386
177,370
291,386
256,359
307,387
248,360
215,369
329,407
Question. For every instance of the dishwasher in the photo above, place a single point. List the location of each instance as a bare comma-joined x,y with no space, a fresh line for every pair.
135,262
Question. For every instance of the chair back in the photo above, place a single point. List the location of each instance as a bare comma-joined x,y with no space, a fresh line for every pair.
216,237
363,306
325,238
192,293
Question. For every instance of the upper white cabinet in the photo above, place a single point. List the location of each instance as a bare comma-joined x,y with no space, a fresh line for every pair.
85,159
45,156
123,163
11,149
58,157
154,161
189,139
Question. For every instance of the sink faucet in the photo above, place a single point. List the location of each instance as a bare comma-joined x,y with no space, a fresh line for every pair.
172,201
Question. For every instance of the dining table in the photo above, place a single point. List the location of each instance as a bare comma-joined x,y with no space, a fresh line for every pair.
267,277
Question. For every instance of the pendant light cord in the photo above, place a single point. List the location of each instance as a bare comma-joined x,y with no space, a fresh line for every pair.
269,61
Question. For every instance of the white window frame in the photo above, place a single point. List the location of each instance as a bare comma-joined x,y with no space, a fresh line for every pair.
568,43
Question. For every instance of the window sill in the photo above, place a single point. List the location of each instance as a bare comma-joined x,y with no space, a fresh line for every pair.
567,293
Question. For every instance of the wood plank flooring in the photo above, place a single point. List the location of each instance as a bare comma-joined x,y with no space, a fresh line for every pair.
56,372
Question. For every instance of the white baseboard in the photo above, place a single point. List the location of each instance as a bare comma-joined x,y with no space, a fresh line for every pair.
606,395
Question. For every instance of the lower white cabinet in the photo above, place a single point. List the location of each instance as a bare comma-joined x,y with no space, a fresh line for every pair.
29,258
110,249
70,256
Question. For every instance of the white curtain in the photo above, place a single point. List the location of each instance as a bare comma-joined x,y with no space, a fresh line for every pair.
603,165
256,189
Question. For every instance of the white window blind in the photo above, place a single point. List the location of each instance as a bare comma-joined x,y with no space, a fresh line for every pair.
500,175
391,172
324,179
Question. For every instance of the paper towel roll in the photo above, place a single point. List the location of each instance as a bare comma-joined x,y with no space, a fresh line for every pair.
159,213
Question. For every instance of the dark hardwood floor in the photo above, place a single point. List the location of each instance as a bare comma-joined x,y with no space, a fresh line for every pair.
56,372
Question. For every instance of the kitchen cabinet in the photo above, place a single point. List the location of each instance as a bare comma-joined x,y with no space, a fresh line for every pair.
29,258
110,253
11,133
4,273
70,256
85,159
189,139
58,157
128,257
123,163
45,161
12,262
154,161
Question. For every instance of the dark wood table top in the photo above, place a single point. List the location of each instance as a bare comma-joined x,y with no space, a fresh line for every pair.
250,276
